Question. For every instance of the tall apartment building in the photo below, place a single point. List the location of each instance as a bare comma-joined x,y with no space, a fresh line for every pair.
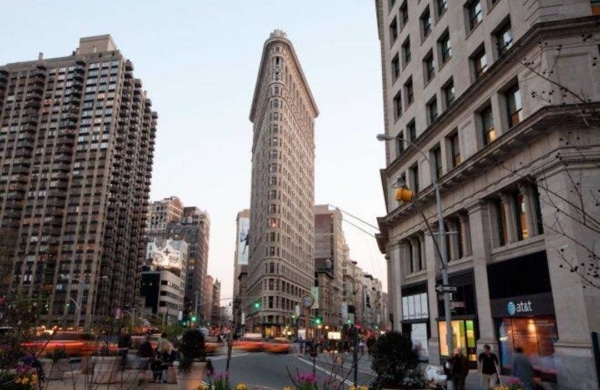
76,148
330,254
281,259
496,102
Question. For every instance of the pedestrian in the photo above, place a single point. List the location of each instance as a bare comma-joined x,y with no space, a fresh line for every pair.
487,365
459,369
162,340
124,345
523,369
146,353
166,356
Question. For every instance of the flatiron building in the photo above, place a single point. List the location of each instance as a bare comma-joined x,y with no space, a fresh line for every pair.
281,235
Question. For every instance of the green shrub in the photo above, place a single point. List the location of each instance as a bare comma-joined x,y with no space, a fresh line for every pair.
395,362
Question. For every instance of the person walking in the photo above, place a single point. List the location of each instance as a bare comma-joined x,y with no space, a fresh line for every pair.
146,353
487,365
124,345
459,369
523,369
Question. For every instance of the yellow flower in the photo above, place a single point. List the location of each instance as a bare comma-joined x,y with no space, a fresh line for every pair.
240,386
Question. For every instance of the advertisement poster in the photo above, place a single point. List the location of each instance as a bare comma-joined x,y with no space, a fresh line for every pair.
242,245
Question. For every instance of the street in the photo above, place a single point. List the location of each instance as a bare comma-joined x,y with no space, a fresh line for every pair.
277,371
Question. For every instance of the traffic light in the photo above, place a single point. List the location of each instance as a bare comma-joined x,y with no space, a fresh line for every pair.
257,305
193,318
404,194
318,320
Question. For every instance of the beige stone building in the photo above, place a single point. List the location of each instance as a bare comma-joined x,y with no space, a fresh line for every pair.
496,101
330,255
281,258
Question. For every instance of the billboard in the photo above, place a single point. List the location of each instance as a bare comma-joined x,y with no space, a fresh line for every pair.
243,241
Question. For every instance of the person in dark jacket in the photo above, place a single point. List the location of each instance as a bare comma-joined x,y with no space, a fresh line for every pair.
124,346
146,353
459,369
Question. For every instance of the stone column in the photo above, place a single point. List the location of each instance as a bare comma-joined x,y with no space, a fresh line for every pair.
576,306
481,239
433,266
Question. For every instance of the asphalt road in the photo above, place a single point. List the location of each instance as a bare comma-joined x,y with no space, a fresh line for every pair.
277,370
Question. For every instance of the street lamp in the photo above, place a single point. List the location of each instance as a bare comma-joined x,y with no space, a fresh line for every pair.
441,247
79,302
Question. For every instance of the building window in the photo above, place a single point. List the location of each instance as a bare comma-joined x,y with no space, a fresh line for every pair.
449,93
432,110
429,67
411,128
501,222
395,67
399,143
426,23
521,215
393,31
436,156
409,92
397,106
413,174
513,106
404,13
479,61
442,6
487,125
445,47
504,39
406,54
475,15
453,141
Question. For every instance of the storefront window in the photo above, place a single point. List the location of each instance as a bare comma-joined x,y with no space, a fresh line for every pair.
463,332
536,336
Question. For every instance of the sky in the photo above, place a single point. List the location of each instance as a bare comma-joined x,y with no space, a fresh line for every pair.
198,60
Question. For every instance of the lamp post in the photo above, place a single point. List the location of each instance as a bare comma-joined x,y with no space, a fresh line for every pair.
441,247
79,302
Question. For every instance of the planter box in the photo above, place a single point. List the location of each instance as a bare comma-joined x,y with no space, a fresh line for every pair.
106,369
55,370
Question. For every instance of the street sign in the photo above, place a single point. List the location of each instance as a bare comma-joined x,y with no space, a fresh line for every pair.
444,289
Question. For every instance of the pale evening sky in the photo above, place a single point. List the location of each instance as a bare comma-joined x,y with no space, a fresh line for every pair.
198,60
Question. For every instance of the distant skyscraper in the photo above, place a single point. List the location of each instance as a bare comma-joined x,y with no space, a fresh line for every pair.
330,254
169,219
162,212
76,148
281,260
